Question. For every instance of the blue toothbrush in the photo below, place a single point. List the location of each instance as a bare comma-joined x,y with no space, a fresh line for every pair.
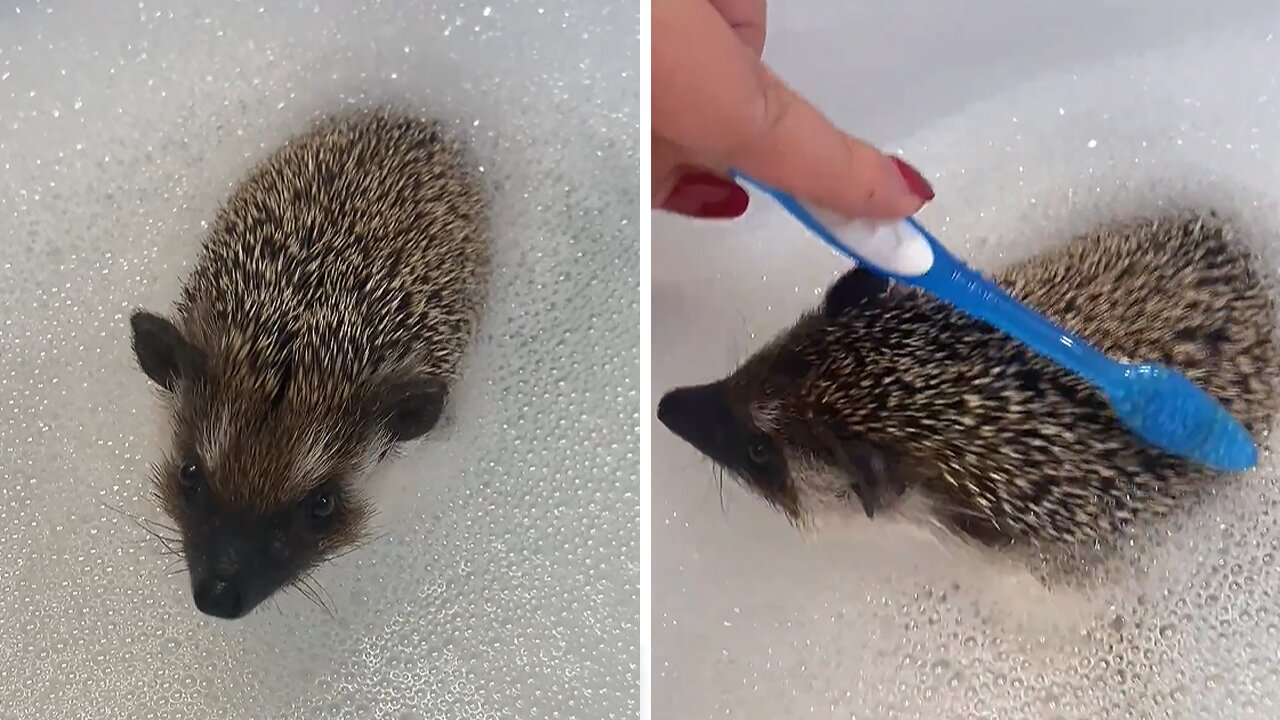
1155,402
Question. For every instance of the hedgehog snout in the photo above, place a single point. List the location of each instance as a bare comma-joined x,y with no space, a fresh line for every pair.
701,416
219,588
234,568
220,599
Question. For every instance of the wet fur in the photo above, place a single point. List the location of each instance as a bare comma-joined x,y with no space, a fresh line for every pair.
884,390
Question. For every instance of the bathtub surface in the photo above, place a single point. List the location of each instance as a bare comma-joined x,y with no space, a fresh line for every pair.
503,579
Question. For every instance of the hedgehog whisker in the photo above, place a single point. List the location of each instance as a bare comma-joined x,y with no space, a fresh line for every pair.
156,524
309,588
310,593
357,546
157,498
169,543
717,474
303,583
119,510
171,551
372,538
322,590
148,540
304,591
721,490
344,553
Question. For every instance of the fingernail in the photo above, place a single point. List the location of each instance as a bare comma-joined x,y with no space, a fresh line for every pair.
704,195
916,183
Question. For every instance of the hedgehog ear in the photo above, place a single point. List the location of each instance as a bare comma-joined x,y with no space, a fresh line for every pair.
163,353
873,472
854,288
409,408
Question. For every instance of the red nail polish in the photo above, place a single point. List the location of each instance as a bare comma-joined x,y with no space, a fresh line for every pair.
704,195
915,181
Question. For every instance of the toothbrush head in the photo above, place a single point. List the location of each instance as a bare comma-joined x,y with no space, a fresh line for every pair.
1169,411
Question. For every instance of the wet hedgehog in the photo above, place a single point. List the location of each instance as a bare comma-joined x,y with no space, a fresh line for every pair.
885,394
323,326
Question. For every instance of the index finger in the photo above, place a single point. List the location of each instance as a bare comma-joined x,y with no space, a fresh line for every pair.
712,96
747,20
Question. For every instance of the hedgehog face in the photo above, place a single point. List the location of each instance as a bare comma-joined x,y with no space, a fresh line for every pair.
768,422
705,416
752,426
239,554
262,483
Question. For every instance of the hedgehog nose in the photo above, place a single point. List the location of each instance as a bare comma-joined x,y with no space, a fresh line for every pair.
220,599
700,415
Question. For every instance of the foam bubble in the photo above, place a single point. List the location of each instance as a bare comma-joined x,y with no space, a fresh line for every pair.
505,584
871,621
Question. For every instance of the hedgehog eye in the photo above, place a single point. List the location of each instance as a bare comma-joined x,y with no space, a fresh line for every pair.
190,475
322,504
759,451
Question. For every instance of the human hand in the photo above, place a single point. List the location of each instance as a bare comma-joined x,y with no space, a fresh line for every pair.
716,106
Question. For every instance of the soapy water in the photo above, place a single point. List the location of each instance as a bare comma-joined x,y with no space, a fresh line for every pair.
503,580
875,620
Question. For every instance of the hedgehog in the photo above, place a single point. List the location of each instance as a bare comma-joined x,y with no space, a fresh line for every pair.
322,327
886,400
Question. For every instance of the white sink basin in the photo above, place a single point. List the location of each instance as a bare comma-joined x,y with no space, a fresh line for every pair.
504,584
1032,121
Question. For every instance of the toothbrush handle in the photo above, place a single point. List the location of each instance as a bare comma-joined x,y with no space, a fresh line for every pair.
907,253
965,288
